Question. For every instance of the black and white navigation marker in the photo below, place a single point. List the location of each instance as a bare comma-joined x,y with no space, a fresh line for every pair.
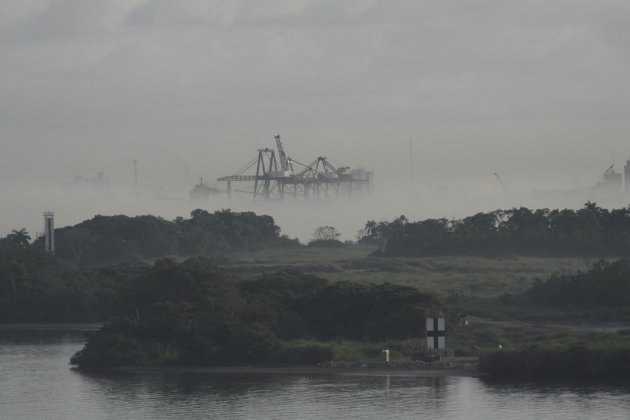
436,331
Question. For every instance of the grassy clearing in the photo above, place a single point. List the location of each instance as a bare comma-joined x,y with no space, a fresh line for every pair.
569,358
472,340
479,338
445,276
302,255
360,351
475,339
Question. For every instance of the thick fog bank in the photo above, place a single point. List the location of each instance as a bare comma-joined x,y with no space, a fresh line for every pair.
23,205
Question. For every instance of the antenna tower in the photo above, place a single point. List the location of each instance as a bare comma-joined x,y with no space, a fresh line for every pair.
49,232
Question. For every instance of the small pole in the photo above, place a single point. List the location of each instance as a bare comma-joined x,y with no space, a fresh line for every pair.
410,162
135,176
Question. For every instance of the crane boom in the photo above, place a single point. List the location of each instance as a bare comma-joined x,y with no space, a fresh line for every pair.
284,164
609,170
496,175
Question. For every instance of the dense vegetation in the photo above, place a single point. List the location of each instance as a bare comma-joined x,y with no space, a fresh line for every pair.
97,259
122,239
605,284
193,313
600,294
609,359
604,288
35,287
591,231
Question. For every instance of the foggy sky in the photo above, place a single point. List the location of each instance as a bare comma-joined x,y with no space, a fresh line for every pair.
538,91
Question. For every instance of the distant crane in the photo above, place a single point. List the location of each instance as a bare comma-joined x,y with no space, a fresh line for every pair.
609,170
606,174
610,179
277,174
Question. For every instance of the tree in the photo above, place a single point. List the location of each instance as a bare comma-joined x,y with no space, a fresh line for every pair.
78,240
19,237
326,233
370,233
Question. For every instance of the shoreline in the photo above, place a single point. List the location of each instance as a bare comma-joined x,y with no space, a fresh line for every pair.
294,370
51,326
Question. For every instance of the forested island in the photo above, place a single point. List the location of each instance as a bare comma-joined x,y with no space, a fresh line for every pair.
227,288
194,314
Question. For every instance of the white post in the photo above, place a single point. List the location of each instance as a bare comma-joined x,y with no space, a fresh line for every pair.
386,355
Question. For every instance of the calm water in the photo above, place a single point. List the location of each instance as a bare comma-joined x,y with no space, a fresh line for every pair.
36,383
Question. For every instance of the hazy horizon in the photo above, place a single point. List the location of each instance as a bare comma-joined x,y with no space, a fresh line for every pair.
535,91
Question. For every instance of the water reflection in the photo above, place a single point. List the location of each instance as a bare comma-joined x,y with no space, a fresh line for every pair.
36,382
276,395
582,388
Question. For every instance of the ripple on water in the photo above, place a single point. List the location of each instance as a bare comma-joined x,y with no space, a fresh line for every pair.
36,382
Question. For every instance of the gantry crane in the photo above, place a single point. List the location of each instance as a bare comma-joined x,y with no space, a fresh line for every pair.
276,176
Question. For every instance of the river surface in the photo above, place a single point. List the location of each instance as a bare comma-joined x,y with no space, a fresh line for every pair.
37,383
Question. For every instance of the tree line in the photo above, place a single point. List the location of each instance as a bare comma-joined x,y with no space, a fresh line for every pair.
93,259
120,239
591,231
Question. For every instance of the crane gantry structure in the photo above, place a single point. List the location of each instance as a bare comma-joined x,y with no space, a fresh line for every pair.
278,176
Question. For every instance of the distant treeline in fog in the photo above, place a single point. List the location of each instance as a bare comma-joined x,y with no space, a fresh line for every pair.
591,231
118,239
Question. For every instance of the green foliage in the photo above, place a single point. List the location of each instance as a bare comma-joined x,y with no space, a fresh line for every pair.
326,243
355,311
606,284
272,299
300,352
19,238
192,313
35,287
565,361
445,276
123,239
326,233
118,345
588,232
